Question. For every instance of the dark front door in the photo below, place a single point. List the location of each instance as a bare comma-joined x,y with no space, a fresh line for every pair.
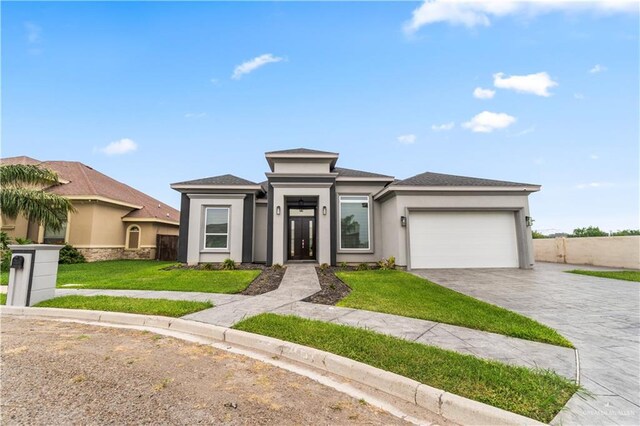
302,235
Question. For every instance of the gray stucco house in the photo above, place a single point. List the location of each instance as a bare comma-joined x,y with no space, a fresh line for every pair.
309,210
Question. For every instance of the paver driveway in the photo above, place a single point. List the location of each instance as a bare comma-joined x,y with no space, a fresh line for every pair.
600,316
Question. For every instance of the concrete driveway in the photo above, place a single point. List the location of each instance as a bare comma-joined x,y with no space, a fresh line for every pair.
600,316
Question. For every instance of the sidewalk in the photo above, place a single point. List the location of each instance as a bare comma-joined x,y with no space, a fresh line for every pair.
301,281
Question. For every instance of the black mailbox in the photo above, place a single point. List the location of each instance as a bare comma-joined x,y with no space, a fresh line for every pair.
17,262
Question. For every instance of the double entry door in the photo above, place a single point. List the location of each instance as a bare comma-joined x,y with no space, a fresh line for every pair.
302,228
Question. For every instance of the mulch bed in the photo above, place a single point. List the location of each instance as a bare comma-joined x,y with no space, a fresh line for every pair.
333,289
267,281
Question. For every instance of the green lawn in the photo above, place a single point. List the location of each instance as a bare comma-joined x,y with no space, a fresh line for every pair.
148,275
616,275
3,299
536,394
164,307
401,293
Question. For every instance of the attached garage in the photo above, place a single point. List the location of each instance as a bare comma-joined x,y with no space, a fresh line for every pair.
463,239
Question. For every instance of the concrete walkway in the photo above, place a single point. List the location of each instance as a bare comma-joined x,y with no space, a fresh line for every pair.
301,281
600,316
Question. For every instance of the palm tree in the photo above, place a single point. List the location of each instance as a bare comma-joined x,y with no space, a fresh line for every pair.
22,192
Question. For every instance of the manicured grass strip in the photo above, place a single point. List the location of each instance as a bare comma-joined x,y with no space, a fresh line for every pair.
401,293
616,275
536,394
149,275
3,299
164,307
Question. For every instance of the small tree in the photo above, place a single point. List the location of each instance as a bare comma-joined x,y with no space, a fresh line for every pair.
537,235
590,231
20,195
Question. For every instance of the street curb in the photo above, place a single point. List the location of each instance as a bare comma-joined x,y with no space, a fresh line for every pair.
452,407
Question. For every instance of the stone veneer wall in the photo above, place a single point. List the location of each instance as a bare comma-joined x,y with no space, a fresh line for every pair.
97,254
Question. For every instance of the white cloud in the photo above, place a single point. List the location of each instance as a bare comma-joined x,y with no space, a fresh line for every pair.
594,157
195,115
443,127
120,147
579,96
594,185
254,64
481,93
597,68
482,12
537,84
34,32
407,139
487,122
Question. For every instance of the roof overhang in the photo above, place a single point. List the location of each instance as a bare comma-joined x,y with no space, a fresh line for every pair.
150,219
364,179
511,190
102,199
187,187
332,157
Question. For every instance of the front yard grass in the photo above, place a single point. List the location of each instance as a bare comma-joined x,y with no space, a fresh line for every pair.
616,275
536,394
401,293
167,308
3,299
149,275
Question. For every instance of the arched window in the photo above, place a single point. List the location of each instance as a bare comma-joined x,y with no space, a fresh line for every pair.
133,237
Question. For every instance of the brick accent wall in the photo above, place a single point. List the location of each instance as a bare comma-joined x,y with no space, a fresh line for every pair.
98,254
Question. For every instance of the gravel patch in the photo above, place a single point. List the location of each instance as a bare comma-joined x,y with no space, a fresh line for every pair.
67,373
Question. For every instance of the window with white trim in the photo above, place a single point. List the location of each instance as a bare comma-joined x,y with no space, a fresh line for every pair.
354,222
216,228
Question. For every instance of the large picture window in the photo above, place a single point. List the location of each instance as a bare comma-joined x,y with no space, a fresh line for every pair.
354,222
216,230
55,236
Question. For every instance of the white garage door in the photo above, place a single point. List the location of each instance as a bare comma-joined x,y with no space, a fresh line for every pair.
463,240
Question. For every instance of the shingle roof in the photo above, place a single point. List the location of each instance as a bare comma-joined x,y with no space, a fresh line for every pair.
358,173
81,180
438,179
218,180
23,159
301,151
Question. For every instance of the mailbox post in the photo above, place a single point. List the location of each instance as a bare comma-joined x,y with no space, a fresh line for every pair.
32,274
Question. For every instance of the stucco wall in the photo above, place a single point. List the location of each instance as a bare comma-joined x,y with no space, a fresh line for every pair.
375,216
260,234
615,252
14,226
198,202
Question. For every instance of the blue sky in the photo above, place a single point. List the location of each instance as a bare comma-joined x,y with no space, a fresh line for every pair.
154,93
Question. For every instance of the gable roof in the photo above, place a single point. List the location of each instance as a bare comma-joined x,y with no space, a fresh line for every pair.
301,151
439,179
80,180
218,180
343,172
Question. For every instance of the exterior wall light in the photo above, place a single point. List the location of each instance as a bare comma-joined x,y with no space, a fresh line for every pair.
403,221
278,210
324,210
529,220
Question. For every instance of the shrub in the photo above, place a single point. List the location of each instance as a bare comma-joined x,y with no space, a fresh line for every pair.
6,260
23,241
324,267
276,266
343,265
209,266
363,267
228,264
70,255
537,235
389,263
4,241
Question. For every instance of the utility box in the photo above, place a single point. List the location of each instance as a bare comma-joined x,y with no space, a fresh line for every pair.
33,273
